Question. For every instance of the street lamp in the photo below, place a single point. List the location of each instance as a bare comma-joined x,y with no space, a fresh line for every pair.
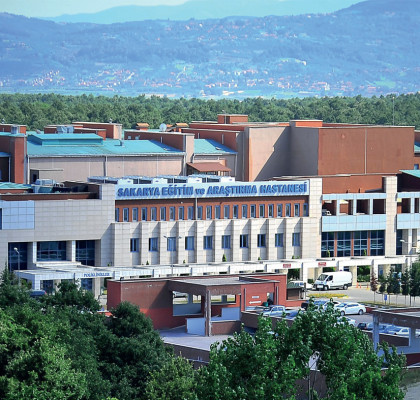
18,254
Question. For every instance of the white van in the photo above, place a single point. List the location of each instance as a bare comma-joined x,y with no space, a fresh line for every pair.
334,280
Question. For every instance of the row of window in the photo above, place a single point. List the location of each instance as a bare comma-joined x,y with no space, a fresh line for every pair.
211,212
359,243
208,242
50,251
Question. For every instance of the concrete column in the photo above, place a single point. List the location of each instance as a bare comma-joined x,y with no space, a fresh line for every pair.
234,240
219,230
375,333
412,205
32,248
71,250
199,233
252,239
207,314
370,207
353,270
390,187
180,242
96,287
163,252
354,207
270,239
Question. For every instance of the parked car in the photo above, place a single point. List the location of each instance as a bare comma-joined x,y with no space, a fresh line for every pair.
349,320
351,308
320,304
363,326
397,330
382,327
291,314
274,311
37,293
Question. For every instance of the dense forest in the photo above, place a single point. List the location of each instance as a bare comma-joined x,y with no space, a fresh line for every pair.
58,347
38,110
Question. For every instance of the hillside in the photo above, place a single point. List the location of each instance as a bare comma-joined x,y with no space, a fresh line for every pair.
369,49
204,9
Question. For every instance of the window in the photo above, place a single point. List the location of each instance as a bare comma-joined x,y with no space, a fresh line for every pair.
261,240
297,210
416,166
135,214
271,210
225,241
181,213
235,211
278,240
360,243
153,214
125,214
208,212
262,211
399,247
117,215
327,244
343,244
207,242
305,210
244,211
279,210
377,243
51,251
18,260
226,212
189,242
217,212
253,210
134,245
171,243
243,241
153,244
163,213
288,207
85,252
171,213
200,212
296,239
190,212
144,214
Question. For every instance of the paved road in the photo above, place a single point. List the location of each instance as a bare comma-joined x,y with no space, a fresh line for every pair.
364,294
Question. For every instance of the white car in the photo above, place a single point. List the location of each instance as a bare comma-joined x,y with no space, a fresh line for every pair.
398,330
351,308
274,311
349,320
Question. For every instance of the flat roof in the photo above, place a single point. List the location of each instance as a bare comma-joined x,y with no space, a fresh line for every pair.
210,146
40,145
412,172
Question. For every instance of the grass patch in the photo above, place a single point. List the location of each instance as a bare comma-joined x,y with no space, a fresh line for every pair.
410,376
328,295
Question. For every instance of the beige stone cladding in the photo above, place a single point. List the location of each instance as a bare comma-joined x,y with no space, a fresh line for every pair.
66,220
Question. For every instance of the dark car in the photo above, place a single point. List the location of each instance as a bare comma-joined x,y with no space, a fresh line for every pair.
364,326
37,293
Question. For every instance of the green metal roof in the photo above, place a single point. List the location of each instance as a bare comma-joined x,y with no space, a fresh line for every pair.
412,172
92,145
209,146
11,185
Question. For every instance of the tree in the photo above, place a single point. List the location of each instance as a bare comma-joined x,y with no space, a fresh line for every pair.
405,283
70,295
415,280
176,380
267,365
373,282
383,284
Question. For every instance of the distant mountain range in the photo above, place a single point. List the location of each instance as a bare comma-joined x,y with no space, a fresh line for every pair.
209,9
370,48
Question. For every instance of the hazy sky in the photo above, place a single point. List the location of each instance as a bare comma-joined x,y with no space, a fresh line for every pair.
53,8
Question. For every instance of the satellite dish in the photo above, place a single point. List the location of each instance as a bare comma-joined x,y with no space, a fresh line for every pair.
162,127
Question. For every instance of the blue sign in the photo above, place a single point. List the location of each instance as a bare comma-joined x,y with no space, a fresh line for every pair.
203,190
